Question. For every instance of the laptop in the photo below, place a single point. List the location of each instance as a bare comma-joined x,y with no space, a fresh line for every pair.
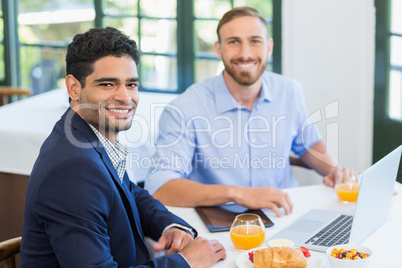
319,229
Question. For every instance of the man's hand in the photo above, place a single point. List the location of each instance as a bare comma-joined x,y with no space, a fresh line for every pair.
333,176
202,253
264,197
172,239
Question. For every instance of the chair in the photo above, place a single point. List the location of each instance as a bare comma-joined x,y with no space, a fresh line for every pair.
7,91
8,250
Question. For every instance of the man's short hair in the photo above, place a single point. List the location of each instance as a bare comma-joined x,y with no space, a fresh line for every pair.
88,47
239,12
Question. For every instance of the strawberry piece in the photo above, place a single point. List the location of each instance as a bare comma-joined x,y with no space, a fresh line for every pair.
251,256
306,251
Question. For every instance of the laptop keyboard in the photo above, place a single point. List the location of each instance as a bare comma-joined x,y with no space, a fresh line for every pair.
337,232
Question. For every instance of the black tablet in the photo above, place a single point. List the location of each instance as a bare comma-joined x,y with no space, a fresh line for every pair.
220,218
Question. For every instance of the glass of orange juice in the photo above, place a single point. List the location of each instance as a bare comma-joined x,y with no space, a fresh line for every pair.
247,231
347,187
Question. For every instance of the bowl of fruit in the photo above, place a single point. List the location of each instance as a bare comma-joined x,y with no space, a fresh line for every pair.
349,256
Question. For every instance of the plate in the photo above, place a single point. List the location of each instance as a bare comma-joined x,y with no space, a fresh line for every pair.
314,261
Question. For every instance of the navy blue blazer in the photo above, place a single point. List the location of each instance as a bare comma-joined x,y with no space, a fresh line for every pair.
79,214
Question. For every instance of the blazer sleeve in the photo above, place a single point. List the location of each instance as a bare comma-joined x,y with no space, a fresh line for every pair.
153,214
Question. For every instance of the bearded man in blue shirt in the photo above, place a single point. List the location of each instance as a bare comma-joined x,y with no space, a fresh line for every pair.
229,138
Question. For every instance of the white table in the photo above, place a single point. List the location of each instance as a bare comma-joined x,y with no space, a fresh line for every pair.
25,124
385,242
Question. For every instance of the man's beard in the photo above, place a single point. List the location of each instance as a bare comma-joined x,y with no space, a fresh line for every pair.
115,127
96,116
245,78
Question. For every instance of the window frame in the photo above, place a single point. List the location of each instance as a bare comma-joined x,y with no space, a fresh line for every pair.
10,43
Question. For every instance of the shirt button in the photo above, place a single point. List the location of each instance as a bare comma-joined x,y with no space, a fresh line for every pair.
253,140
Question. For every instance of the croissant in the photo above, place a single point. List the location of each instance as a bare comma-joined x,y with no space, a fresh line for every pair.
279,257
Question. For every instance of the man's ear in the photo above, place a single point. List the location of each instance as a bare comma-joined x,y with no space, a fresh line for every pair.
218,49
270,47
73,87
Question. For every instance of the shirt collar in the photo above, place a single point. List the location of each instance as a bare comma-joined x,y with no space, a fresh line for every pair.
116,151
225,100
120,148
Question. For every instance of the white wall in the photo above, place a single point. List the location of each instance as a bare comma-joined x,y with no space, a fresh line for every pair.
328,45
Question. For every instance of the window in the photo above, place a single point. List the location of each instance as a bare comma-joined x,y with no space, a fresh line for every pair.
155,30
43,29
388,79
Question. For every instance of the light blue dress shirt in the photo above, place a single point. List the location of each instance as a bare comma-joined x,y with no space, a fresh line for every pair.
206,136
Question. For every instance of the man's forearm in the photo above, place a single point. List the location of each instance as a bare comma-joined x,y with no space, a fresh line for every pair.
319,159
188,193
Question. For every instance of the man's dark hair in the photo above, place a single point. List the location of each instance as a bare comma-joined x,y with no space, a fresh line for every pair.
236,13
94,44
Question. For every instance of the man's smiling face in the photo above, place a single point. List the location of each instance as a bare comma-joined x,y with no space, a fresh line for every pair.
110,96
244,49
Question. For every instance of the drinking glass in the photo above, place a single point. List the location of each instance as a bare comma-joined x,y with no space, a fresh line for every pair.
347,186
247,231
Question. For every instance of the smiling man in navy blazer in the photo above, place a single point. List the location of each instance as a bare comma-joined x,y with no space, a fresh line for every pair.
81,209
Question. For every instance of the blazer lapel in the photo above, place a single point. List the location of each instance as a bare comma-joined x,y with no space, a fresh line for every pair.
73,119
130,195
126,196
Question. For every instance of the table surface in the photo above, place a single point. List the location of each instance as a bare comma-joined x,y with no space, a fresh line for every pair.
385,241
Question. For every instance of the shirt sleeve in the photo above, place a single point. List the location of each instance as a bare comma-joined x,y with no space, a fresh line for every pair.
181,227
175,148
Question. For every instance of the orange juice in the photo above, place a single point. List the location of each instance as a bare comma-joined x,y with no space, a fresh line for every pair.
247,236
347,192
